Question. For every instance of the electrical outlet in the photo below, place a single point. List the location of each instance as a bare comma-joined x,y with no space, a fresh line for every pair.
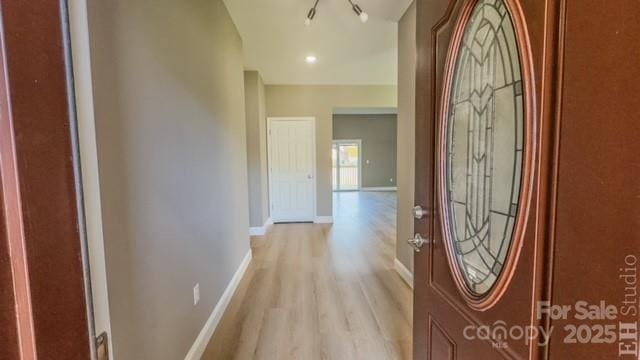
391,180
196,294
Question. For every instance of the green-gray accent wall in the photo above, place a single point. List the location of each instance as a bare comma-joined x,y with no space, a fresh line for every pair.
378,154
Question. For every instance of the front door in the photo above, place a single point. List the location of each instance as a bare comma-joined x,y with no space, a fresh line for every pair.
291,169
524,153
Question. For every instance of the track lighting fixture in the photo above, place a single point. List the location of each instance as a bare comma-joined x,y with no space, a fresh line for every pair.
358,10
355,7
311,14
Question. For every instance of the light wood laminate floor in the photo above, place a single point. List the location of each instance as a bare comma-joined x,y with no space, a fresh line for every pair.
322,291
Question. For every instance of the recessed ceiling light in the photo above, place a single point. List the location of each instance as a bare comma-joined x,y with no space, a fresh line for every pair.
310,59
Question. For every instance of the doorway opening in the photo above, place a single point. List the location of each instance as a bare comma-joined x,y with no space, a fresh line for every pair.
347,165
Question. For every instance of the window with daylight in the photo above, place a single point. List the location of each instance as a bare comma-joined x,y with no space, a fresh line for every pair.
484,144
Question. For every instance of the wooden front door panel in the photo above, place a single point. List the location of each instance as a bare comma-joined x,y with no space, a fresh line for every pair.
596,238
43,301
441,314
583,227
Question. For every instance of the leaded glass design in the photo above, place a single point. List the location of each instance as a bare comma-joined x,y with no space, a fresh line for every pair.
484,145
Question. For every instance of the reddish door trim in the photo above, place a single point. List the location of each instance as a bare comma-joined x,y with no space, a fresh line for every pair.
42,223
16,332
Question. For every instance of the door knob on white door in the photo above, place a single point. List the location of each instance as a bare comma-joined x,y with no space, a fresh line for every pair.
417,242
309,176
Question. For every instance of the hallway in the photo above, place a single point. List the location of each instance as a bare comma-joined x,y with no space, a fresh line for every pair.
322,291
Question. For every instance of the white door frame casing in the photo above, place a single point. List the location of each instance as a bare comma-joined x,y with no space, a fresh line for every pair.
98,298
314,196
351,141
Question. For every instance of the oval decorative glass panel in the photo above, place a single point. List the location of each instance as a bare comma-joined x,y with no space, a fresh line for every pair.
482,151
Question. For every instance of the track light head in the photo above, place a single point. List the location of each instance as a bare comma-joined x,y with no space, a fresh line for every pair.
361,14
311,14
363,17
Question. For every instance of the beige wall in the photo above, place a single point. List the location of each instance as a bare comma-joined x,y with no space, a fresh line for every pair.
378,153
170,126
406,133
319,101
256,148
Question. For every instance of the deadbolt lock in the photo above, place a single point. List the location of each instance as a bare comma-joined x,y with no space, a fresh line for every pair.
419,212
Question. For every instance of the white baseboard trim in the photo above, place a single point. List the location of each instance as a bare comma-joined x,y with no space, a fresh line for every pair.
380,188
404,273
323,220
257,231
260,230
198,347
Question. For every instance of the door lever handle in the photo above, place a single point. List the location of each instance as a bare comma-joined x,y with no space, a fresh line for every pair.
418,242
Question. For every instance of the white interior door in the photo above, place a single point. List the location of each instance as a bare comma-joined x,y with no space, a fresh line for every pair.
291,169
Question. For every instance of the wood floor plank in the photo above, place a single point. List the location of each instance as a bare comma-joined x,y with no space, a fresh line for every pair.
322,291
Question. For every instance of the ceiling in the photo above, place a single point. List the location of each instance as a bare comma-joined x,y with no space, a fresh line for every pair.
276,41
